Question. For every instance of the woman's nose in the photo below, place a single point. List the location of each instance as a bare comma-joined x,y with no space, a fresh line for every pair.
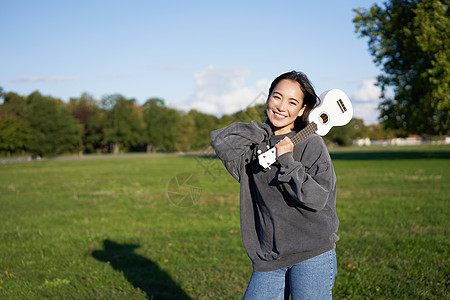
281,106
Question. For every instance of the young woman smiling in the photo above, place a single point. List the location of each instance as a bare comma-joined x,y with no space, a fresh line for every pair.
288,212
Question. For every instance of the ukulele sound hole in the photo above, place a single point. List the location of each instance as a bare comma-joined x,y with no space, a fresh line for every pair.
324,118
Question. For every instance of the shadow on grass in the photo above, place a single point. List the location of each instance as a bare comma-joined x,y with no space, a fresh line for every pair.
389,155
141,272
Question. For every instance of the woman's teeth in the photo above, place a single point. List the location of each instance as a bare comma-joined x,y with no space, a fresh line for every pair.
278,116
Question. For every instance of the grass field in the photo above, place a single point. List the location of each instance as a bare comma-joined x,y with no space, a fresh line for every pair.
127,228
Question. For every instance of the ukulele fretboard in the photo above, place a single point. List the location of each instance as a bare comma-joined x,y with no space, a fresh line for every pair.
304,133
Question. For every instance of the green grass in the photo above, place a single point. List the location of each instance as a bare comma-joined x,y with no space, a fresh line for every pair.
108,229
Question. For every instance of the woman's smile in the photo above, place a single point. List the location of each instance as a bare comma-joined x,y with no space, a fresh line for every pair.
279,116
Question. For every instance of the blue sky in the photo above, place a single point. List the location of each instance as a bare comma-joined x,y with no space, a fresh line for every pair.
213,56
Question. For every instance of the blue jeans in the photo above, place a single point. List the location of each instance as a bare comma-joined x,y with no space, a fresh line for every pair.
309,279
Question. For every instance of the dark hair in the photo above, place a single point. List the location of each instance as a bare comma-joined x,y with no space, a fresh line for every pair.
311,100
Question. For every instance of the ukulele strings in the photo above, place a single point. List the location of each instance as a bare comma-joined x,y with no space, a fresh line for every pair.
304,133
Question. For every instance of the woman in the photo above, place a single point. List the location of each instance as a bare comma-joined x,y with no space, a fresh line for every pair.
288,212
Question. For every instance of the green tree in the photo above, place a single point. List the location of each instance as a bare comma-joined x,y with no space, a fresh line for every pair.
226,120
410,40
14,104
378,132
256,112
123,122
54,130
203,125
358,129
15,134
341,136
161,125
186,131
87,111
95,133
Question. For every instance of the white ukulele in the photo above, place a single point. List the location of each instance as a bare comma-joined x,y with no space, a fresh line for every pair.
335,109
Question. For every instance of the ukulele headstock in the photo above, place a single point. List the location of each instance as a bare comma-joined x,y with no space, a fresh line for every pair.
335,109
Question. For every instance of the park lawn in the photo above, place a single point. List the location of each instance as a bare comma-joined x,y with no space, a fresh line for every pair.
120,229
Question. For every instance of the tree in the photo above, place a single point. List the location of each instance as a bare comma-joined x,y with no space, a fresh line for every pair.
14,104
410,39
256,112
203,125
186,129
377,132
341,135
95,132
15,134
54,130
123,122
358,129
87,111
162,125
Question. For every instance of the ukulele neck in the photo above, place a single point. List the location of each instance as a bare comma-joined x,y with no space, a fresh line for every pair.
304,133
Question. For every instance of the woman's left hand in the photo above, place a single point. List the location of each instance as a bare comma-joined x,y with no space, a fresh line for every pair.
284,146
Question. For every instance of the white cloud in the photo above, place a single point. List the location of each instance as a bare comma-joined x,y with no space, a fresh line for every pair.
365,102
368,91
44,78
222,90
366,111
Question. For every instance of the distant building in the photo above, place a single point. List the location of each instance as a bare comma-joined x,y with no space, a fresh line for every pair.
362,142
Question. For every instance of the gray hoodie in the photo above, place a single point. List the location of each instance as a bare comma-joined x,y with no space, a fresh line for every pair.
288,212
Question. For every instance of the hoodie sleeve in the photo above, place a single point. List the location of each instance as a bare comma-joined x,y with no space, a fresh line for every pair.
233,144
311,182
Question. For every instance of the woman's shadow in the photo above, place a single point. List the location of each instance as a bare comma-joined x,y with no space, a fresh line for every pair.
141,272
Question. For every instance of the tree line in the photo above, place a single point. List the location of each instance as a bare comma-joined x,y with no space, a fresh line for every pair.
42,125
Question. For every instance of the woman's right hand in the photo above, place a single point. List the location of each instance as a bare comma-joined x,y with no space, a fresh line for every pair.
284,146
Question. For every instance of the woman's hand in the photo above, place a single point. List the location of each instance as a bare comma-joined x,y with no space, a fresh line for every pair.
284,146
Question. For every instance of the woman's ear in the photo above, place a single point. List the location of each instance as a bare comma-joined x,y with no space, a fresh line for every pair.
302,110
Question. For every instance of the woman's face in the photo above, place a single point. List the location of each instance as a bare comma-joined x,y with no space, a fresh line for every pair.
285,104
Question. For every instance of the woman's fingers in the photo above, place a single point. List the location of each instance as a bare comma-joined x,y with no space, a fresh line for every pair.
284,146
